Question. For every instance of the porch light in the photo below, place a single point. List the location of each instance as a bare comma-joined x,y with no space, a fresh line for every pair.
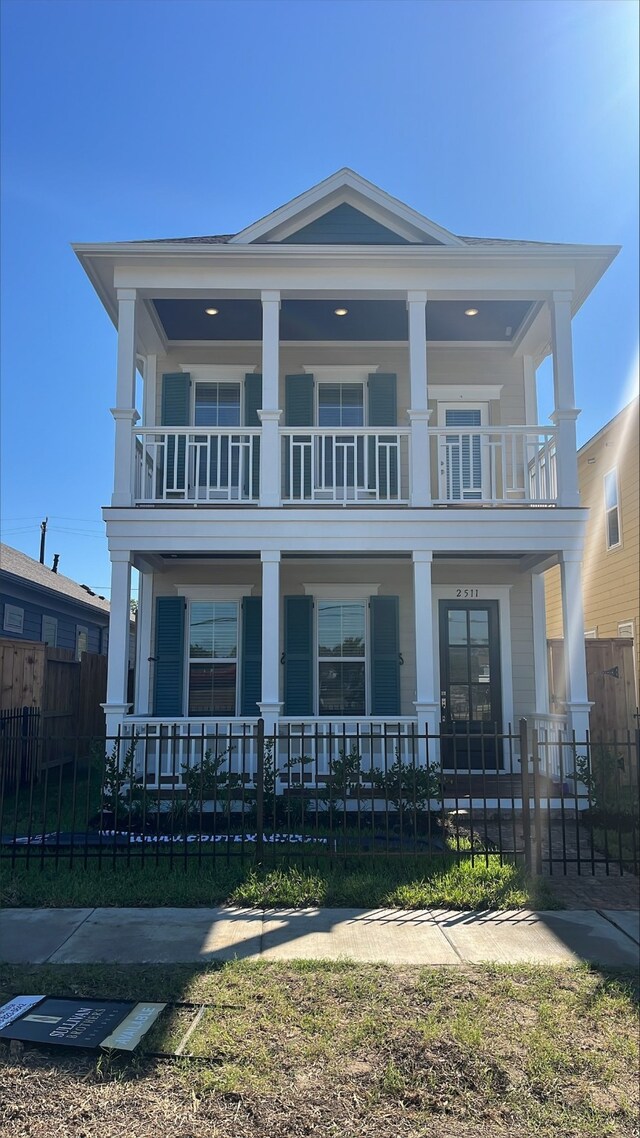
471,311
211,311
341,311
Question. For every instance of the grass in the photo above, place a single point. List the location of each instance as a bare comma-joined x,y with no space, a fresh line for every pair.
405,882
326,1049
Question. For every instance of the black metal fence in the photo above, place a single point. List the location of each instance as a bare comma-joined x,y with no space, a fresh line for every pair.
555,804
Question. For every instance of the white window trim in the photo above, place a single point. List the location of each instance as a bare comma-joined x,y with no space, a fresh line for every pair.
216,373
13,613
618,543
467,405
339,595
340,383
501,594
230,383
591,633
225,594
626,624
54,622
79,629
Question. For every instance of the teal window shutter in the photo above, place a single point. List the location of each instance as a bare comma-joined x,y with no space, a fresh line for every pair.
251,656
298,656
298,400
383,412
298,412
169,657
176,391
385,656
252,404
176,399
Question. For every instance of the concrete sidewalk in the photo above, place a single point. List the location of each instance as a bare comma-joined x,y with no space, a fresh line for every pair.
425,937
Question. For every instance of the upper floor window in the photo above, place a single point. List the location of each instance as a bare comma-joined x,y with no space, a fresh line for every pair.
217,405
612,509
49,630
82,640
340,405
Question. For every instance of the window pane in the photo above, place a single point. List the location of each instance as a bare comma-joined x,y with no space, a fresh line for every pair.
613,529
458,666
480,665
212,689
459,701
479,626
341,628
213,630
481,702
610,490
457,626
329,405
340,405
341,689
352,405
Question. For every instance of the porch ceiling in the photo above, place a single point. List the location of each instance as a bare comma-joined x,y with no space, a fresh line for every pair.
366,320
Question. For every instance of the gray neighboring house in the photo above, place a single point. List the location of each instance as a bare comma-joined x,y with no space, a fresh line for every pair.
38,604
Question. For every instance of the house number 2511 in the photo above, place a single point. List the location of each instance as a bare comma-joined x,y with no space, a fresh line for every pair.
467,594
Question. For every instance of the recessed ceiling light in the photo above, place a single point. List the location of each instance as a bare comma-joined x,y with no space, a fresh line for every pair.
471,311
341,311
211,311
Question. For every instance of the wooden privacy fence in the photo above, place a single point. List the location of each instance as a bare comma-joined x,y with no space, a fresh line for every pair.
611,684
66,692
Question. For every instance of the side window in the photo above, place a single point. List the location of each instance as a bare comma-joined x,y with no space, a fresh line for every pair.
612,509
341,657
49,630
213,657
13,619
82,640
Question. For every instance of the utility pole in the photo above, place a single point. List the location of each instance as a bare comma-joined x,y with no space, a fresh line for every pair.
43,535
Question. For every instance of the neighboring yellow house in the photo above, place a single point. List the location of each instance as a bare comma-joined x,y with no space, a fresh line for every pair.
608,474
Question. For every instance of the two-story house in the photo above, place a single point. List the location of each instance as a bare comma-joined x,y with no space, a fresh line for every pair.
335,487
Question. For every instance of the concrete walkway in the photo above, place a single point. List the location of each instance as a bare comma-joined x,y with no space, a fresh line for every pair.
426,937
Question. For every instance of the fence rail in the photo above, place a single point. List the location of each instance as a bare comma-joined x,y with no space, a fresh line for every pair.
367,790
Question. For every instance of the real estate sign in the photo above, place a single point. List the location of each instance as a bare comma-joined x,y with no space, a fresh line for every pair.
119,1024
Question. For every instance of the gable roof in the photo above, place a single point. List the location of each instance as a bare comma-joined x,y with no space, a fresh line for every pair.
24,568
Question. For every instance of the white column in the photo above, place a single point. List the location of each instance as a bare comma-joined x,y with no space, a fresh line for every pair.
530,391
270,706
418,412
116,706
124,411
149,413
142,704
575,660
565,412
270,413
426,701
540,663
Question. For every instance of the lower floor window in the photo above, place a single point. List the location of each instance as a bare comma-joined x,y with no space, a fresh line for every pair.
341,658
213,658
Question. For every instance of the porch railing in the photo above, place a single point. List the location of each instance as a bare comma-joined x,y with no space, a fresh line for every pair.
325,465
183,464
494,465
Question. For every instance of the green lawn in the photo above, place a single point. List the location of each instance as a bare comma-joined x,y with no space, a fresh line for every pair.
409,883
342,1049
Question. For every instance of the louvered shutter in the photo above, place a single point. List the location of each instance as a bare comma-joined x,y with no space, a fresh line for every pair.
385,656
298,412
176,391
464,455
251,655
252,404
298,656
383,412
169,657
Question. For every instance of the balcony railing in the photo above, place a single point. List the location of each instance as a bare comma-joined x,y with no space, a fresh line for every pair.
325,465
343,466
203,465
495,465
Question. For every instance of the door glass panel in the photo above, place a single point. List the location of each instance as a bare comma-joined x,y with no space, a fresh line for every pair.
481,702
459,701
458,666
457,626
479,626
479,665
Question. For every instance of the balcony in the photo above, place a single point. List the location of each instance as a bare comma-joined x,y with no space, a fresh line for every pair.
470,466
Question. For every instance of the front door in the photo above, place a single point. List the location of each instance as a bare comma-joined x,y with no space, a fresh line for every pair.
470,695
462,469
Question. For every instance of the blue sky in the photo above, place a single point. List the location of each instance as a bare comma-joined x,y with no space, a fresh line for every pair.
126,120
